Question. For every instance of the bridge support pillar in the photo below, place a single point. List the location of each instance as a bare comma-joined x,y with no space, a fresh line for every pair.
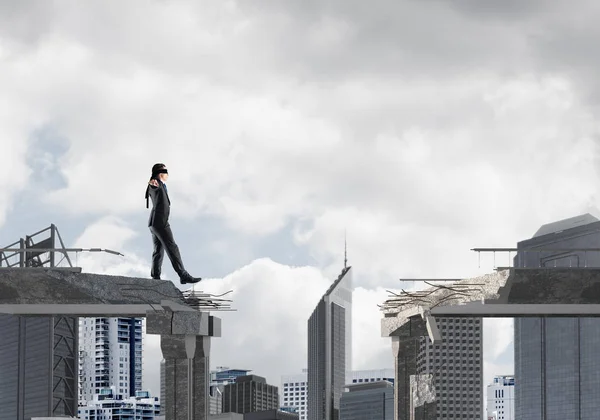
414,395
185,344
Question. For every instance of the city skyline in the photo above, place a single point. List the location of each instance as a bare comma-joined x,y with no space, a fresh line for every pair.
287,125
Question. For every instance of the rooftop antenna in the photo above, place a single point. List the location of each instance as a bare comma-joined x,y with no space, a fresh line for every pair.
345,251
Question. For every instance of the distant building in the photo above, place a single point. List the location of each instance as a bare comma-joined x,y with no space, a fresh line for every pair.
501,398
295,389
368,401
226,416
557,374
110,355
218,379
108,405
249,394
271,415
372,375
330,349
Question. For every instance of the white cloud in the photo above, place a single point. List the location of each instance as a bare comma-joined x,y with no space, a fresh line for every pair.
327,119
113,234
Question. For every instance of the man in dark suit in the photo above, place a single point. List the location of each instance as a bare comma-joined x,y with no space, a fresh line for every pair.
162,237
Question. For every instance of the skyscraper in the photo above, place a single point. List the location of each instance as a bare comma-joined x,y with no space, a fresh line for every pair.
557,374
295,389
295,392
219,378
38,355
110,356
330,349
501,398
249,394
368,401
457,367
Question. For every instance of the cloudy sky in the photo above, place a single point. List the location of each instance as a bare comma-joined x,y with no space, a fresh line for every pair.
420,128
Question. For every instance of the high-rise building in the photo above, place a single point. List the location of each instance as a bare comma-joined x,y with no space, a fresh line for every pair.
38,364
295,391
330,349
368,401
38,355
557,374
110,356
295,387
501,398
218,379
107,405
456,364
271,415
371,375
248,394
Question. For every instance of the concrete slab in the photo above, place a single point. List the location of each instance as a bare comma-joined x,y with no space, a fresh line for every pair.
51,292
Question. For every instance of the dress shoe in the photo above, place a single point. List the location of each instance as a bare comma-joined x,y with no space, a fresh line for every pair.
155,278
186,277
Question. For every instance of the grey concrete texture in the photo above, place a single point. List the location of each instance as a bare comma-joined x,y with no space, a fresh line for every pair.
422,390
474,289
186,379
178,322
514,286
405,323
23,286
405,348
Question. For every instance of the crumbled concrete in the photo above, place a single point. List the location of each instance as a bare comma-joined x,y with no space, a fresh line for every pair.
167,322
422,389
479,288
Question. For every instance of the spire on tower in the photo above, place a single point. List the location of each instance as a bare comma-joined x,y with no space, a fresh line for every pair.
345,251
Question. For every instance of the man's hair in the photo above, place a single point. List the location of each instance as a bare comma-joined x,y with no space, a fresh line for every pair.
156,168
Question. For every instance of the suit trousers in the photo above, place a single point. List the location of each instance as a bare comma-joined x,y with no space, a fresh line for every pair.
162,238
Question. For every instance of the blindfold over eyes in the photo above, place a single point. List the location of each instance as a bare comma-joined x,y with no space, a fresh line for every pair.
161,171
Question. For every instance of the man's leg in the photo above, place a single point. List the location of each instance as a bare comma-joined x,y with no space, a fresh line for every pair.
165,237
157,256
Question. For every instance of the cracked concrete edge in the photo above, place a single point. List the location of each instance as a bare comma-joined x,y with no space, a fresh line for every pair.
486,287
422,389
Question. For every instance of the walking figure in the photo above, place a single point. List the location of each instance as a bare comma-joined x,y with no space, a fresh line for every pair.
162,236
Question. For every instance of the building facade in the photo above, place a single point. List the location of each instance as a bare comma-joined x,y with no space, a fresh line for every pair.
249,394
330,349
218,379
501,398
107,405
557,373
371,375
110,356
456,364
368,401
38,362
295,393
295,387
271,415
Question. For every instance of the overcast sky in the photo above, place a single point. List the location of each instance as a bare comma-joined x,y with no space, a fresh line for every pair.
420,128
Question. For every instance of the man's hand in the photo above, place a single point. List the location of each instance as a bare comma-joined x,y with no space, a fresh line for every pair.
153,182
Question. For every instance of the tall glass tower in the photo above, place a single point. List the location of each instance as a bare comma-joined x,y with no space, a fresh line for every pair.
330,349
110,356
557,367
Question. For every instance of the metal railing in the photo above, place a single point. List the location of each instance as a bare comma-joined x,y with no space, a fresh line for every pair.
39,250
543,257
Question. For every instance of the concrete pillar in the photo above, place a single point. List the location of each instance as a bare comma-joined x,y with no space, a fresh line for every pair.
185,343
405,348
187,376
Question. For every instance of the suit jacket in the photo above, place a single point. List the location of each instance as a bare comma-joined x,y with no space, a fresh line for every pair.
161,205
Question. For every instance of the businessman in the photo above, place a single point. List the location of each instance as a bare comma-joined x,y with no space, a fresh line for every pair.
162,237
